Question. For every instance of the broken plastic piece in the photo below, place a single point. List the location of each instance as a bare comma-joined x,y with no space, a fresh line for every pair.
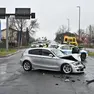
67,80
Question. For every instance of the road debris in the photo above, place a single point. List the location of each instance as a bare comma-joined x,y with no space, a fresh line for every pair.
89,81
73,80
56,84
78,79
43,73
67,80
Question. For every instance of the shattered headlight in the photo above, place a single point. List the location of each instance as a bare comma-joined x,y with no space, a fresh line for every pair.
76,63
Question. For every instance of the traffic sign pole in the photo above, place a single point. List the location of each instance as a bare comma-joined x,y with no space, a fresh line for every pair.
7,29
0,31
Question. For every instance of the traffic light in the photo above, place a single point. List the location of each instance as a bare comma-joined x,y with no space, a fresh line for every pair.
33,15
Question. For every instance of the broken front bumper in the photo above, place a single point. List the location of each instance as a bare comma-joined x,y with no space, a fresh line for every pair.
78,69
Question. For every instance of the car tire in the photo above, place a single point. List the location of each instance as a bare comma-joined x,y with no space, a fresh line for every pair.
27,66
83,57
66,68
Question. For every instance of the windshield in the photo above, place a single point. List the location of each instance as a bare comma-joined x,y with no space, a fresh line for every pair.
57,52
53,46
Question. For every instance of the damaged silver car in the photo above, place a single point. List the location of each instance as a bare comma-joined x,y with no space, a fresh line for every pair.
50,59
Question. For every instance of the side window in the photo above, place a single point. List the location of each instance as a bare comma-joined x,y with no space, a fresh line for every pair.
66,39
46,52
63,47
35,52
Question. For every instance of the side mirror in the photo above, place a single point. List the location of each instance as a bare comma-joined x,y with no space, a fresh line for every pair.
51,55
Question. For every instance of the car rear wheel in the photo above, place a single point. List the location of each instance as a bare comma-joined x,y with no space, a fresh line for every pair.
66,68
27,66
83,56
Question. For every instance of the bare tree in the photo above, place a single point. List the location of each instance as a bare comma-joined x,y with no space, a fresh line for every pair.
62,29
60,34
22,24
17,24
82,33
33,25
90,32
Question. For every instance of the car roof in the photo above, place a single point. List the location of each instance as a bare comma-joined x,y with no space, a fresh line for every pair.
63,45
40,48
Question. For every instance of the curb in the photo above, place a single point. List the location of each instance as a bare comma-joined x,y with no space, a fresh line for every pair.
10,54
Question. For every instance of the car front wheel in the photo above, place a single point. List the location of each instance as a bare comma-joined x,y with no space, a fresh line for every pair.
27,66
66,68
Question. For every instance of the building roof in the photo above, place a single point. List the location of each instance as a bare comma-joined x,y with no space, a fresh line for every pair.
9,28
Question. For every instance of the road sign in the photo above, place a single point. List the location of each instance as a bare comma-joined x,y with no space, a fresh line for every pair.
2,13
22,13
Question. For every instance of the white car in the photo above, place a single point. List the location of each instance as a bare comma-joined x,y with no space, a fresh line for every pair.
49,59
67,49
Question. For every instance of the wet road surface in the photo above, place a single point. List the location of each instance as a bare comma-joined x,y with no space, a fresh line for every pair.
14,80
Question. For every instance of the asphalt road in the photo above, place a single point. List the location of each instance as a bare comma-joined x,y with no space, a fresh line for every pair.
14,80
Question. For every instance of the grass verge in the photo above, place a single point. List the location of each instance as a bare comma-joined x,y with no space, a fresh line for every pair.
91,53
3,52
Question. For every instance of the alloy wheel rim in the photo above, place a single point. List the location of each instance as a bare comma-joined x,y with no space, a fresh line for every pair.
67,68
26,66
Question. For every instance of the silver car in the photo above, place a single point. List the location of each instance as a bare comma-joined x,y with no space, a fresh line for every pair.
49,59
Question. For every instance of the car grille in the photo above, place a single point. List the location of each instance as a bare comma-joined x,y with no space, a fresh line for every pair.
81,69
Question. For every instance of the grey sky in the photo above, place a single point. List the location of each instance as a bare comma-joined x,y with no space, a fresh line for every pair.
53,13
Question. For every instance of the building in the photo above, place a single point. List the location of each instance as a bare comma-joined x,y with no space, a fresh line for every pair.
13,36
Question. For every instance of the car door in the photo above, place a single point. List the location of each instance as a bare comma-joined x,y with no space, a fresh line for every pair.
35,55
49,62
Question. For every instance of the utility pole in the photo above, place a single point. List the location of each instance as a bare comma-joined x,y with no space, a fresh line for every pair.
68,25
0,31
27,35
79,20
21,32
7,29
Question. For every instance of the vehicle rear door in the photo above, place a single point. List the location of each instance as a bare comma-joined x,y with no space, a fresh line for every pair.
35,55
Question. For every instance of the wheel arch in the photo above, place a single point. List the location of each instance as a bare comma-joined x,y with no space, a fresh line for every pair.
83,52
25,61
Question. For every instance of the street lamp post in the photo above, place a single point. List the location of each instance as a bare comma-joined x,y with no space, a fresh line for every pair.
79,19
68,25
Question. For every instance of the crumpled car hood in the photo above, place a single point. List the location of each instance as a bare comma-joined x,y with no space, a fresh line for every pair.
72,57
